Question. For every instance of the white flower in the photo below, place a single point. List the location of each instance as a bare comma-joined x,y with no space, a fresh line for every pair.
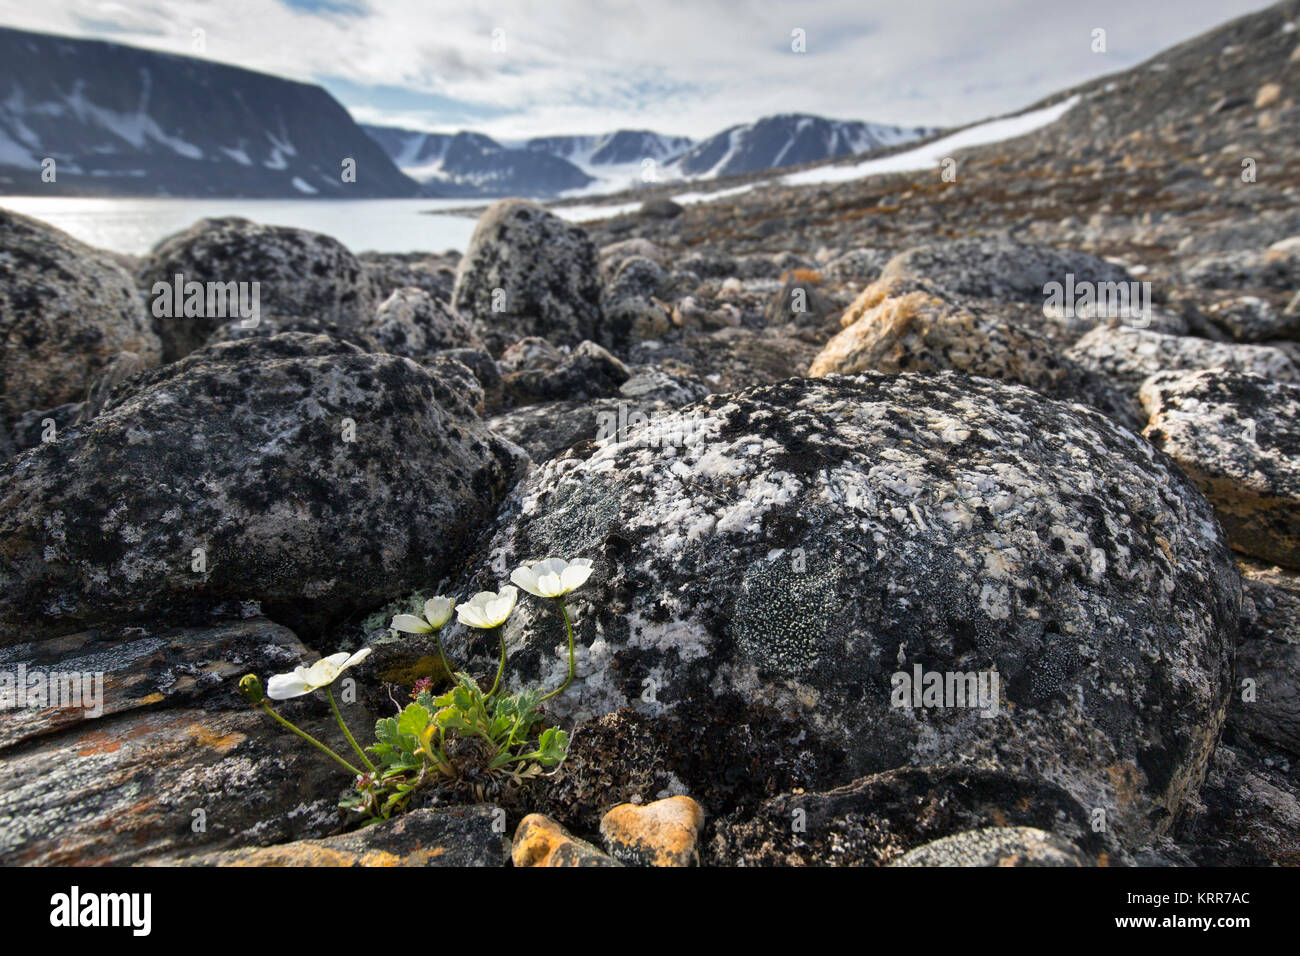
437,611
304,680
552,577
487,608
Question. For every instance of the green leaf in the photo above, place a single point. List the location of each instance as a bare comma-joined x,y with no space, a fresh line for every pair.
413,720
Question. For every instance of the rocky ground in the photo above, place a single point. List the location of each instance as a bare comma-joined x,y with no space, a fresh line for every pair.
810,437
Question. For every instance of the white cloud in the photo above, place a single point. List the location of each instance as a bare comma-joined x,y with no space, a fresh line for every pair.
680,66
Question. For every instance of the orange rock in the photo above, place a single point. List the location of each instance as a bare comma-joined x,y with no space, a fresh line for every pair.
540,841
663,833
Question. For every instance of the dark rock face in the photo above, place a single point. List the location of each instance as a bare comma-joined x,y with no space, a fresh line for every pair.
444,836
301,274
1238,436
587,372
175,763
792,547
1269,657
315,478
878,819
528,272
66,312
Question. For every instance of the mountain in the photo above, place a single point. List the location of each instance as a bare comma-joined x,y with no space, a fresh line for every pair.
471,164
624,147
789,139
123,121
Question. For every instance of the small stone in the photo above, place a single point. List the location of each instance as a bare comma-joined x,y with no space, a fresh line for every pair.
996,846
662,833
540,841
1268,94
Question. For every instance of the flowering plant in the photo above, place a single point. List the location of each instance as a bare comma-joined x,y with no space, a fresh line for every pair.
437,739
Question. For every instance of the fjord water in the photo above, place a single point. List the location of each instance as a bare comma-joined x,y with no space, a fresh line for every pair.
382,225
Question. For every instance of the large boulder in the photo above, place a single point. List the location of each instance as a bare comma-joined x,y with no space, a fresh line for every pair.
310,476
769,562
925,330
300,273
1238,436
1129,356
412,323
998,267
528,272
66,311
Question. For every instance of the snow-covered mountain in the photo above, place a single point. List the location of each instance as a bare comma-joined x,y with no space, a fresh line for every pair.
118,120
550,165
789,139
471,164
624,147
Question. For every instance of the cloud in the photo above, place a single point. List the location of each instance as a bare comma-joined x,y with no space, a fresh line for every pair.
515,68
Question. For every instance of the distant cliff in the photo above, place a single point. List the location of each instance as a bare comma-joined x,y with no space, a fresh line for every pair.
121,121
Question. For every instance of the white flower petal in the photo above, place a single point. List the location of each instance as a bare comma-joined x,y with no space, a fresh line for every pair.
284,686
437,611
355,659
576,574
526,578
410,624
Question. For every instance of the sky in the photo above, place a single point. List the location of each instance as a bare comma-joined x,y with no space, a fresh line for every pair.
691,67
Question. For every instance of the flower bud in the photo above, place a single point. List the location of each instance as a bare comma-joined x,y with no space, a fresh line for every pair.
251,688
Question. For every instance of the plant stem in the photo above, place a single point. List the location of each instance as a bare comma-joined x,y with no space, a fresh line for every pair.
451,675
311,740
559,602
347,733
500,667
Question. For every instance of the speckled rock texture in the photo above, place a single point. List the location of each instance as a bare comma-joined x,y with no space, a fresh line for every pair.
316,479
301,274
1269,657
549,429
545,375
528,272
786,550
390,271
177,763
1238,436
925,330
996,846
876,820
996,267
1128,356
444,836
66,311
413,324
